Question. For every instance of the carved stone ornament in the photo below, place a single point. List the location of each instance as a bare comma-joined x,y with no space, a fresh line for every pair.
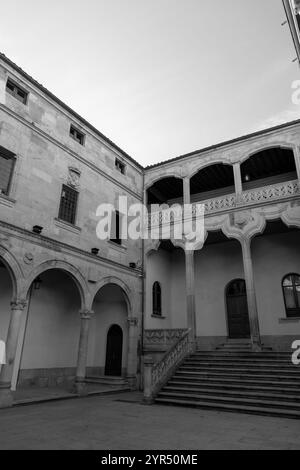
242,219
28,258
74,178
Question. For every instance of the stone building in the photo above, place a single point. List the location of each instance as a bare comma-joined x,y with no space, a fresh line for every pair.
69,301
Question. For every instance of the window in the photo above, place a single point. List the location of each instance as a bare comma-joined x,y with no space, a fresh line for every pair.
68,205
116,228
77,135
156,295
7,163
16,91
120,166
291,292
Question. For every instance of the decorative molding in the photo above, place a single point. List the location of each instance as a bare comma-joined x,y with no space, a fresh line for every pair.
18,305
162,337
86,314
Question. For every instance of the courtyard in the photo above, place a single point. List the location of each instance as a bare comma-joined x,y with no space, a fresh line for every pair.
123,422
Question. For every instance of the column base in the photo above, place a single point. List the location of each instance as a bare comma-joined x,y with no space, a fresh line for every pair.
132,381
6,396
148,400
80,388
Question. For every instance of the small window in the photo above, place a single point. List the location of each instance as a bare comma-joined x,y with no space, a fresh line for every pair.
291,292
68,205
16,91
120,166
77,135
156,295
116,228
7,164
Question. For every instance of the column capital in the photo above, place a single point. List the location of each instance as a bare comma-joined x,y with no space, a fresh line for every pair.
18,304
132,321
86,314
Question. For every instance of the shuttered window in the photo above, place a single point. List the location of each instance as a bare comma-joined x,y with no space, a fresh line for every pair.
7,163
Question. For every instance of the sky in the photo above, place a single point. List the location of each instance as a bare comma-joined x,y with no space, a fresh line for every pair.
160,78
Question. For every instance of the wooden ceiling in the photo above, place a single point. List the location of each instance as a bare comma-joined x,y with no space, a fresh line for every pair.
271,162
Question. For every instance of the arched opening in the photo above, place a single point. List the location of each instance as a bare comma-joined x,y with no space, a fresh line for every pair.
50,332
212,181
6,294
165,274
270,166
237,310
219,261
108,341
156,299
275,254
114,351
166,191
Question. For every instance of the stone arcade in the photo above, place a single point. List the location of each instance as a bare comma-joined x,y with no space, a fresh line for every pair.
74,309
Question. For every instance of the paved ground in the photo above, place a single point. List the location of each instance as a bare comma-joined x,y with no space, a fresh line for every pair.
121,422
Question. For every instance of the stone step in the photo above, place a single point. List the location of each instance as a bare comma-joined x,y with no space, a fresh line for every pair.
253,402
295,371
276,412
105,380
236,374
245,394
237,362
236,380
256,355
236,386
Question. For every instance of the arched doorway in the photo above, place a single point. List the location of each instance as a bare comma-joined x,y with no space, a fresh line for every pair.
237,310
108,339
6,294
114,350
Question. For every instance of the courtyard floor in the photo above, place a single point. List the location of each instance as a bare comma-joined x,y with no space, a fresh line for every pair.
122,422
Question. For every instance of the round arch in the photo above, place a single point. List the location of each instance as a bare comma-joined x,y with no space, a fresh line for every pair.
219,161
170,174
261,148
14,269
69,269
112,280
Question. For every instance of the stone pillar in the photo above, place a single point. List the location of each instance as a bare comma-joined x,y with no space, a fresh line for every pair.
251,295
148,392
190,293
297,161
186,190
132,351
238,179
83,351
17,309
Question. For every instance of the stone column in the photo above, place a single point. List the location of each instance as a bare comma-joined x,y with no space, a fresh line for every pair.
17,309
83,351
186,190
190,293
238,179
251,295
132,351
148,392
297,161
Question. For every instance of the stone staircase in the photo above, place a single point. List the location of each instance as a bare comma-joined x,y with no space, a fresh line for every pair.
234,378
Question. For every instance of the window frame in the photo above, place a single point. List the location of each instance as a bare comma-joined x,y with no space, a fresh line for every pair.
117,240
120,166
79,133
10,156
291,312
14,92
157,300
69,188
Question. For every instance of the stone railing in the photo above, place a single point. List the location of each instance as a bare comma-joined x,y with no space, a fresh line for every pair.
263,195
256,196
156,375
162,338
